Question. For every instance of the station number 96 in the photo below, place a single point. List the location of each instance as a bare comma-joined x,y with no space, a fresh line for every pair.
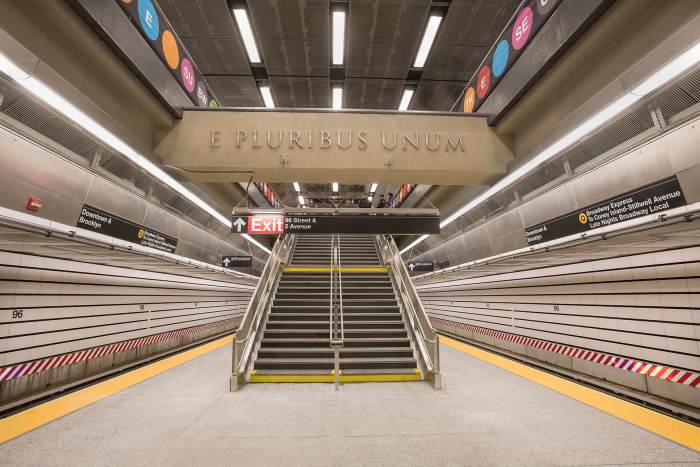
17,314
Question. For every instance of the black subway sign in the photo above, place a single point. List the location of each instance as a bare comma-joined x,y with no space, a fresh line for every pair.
275,224
650,199
237,261
114,226
420,266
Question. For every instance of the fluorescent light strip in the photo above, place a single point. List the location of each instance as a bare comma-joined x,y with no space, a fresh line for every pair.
246,31
660,77
337,98
300,198
267,97
50,97
427,42
335,187
373,188
297,187
338,37
406,99
370,198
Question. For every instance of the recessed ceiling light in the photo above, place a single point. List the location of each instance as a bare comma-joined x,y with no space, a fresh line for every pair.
297,187
373,188
246,31
301,200
338,98
338,37
427,42
406,99
335,187
267,97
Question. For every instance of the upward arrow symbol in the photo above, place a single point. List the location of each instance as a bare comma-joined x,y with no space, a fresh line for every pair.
411,266
239,224
226,261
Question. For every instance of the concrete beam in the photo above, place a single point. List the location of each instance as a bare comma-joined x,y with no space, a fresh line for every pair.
347,147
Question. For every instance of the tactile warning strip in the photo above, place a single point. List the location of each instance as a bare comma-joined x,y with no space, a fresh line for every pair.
35,366
675,375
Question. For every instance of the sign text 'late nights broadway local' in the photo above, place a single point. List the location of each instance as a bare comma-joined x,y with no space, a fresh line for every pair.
649,199
260,224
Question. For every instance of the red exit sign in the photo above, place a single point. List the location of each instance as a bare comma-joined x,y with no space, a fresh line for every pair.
266,225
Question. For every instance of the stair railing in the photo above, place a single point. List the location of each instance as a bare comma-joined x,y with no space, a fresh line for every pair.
425,335
337,327
253,319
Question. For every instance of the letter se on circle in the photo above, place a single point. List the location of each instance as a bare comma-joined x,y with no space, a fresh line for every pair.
266,225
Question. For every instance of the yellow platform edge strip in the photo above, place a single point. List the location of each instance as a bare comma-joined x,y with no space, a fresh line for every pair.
342,269
668,427
330,378
34,417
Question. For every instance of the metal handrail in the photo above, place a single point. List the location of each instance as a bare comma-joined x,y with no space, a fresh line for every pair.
244,340
332,289
340,295
426,336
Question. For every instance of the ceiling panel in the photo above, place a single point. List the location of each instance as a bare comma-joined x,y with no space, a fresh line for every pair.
301,92
363,93
217,55
436,95
236,91
294,35
383,36
467,33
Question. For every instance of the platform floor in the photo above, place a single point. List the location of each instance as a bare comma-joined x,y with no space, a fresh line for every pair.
484,416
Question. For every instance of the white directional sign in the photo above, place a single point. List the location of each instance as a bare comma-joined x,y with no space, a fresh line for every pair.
237,261
239,223
421,266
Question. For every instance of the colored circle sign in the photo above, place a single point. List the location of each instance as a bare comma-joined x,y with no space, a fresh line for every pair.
202,97
582,218
500,58
149,19
170,50
213,104
545,6
482,81
187,73
469,99
522,28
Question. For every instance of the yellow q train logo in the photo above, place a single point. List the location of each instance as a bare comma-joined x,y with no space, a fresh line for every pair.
141,233
583,218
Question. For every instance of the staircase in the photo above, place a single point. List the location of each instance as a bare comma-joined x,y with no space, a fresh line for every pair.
296,344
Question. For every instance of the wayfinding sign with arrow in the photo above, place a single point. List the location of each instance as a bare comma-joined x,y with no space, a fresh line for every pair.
421,266
237,261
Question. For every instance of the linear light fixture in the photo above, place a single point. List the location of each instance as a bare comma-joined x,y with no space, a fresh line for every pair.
53,99
297,187
427,42
300,198
335,187
370,198
241,15
338,37
373,188
337,98
406,99
267,97
657,79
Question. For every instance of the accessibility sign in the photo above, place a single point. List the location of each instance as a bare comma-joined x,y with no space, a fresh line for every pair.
265,224
237,261
420,266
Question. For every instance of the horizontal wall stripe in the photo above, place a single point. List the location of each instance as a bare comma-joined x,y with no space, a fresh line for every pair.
32,367
687,377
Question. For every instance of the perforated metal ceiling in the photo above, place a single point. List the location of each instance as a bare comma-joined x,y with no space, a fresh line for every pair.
295,40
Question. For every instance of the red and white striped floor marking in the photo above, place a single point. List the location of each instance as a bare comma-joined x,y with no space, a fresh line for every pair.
27,368
686,377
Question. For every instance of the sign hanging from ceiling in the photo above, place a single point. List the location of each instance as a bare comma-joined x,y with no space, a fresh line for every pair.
650,199
420,266
108,224
260,224
513,40
155,29
237,261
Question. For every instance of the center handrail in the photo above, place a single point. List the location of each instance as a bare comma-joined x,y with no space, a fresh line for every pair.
426,335
244,339
340,295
